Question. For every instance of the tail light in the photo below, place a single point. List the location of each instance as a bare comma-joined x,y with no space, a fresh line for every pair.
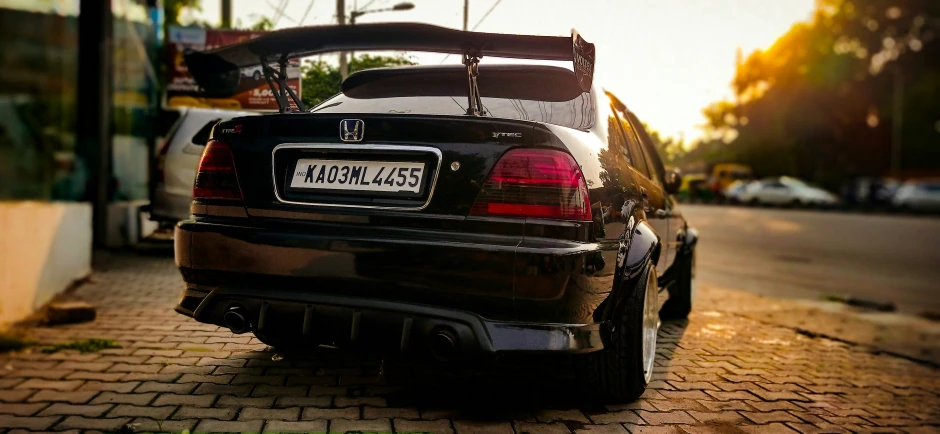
540,183
216,178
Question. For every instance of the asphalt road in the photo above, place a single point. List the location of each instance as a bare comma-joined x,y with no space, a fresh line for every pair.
814,254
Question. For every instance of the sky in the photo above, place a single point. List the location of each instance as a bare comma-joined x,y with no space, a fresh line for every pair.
666,59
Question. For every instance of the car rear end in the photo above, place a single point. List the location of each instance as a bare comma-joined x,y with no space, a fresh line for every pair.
456,233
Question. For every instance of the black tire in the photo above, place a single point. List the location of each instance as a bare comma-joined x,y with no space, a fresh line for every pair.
680,294
256,75
615,374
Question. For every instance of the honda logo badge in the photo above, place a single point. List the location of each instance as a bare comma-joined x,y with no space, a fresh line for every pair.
352,130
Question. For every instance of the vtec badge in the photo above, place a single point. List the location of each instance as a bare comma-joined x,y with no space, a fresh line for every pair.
236,130
352,130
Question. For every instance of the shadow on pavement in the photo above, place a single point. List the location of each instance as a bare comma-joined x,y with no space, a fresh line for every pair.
511,388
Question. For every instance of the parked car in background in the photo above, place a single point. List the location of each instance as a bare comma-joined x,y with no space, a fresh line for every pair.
735,192
178,159
787,191
918,196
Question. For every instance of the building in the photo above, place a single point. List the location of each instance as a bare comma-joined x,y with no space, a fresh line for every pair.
77,98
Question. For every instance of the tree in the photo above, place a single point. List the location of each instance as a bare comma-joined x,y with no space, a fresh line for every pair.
670,150
173,9
818,103
263,24
321,80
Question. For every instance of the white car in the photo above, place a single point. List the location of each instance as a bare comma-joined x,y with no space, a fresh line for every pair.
178,159
923,196
786,191
735,193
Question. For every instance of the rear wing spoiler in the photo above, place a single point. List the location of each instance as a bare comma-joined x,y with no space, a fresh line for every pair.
217,71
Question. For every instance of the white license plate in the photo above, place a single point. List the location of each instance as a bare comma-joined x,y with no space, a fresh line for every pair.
377,176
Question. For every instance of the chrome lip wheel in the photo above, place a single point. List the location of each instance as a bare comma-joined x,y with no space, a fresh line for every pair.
650,325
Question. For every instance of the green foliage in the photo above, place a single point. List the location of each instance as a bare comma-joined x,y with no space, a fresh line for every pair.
83,346
264,24
670,149
321,80
818,103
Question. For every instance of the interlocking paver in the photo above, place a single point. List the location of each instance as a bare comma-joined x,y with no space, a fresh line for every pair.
209,425
602,429
282,426
187,400
296,401
205,413
539,428
61,409
21,409
76,397
389,413
441,426
143,424
718,372
252,413
661,418
27,422
222,389
561,415
14,395
346,425
110,386
96,376
37,383
124,398
85,423
312,413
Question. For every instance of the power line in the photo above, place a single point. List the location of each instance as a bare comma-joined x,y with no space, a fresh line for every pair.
486,15
478,23
304,17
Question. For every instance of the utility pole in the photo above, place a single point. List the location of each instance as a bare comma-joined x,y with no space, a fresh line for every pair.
466,13
897,121
226,14
341,20
93,123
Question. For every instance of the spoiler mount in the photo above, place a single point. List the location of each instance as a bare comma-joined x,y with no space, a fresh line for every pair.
281,91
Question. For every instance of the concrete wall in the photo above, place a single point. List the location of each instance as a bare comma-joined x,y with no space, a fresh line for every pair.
44,247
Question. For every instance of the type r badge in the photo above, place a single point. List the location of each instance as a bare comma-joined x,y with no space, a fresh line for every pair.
352,130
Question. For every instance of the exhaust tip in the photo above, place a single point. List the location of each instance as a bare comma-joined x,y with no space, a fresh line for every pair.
443,345
235,321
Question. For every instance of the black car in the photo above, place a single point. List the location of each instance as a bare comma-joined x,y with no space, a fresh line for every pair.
451,211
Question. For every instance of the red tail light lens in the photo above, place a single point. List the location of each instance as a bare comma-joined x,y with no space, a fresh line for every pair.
541,183
216,178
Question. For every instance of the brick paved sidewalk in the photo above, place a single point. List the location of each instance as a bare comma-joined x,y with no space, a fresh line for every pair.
719,372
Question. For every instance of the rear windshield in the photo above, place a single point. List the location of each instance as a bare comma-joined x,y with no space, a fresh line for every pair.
542,95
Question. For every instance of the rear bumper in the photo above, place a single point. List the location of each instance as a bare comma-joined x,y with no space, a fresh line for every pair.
382,324
495,292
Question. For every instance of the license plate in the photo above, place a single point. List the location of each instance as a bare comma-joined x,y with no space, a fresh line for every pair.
373,176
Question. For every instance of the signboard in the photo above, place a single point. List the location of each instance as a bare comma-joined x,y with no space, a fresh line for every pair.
253,92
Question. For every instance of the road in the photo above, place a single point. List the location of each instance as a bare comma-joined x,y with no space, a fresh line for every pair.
813,254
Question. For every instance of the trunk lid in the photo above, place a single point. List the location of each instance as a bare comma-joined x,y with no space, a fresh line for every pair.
455,152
